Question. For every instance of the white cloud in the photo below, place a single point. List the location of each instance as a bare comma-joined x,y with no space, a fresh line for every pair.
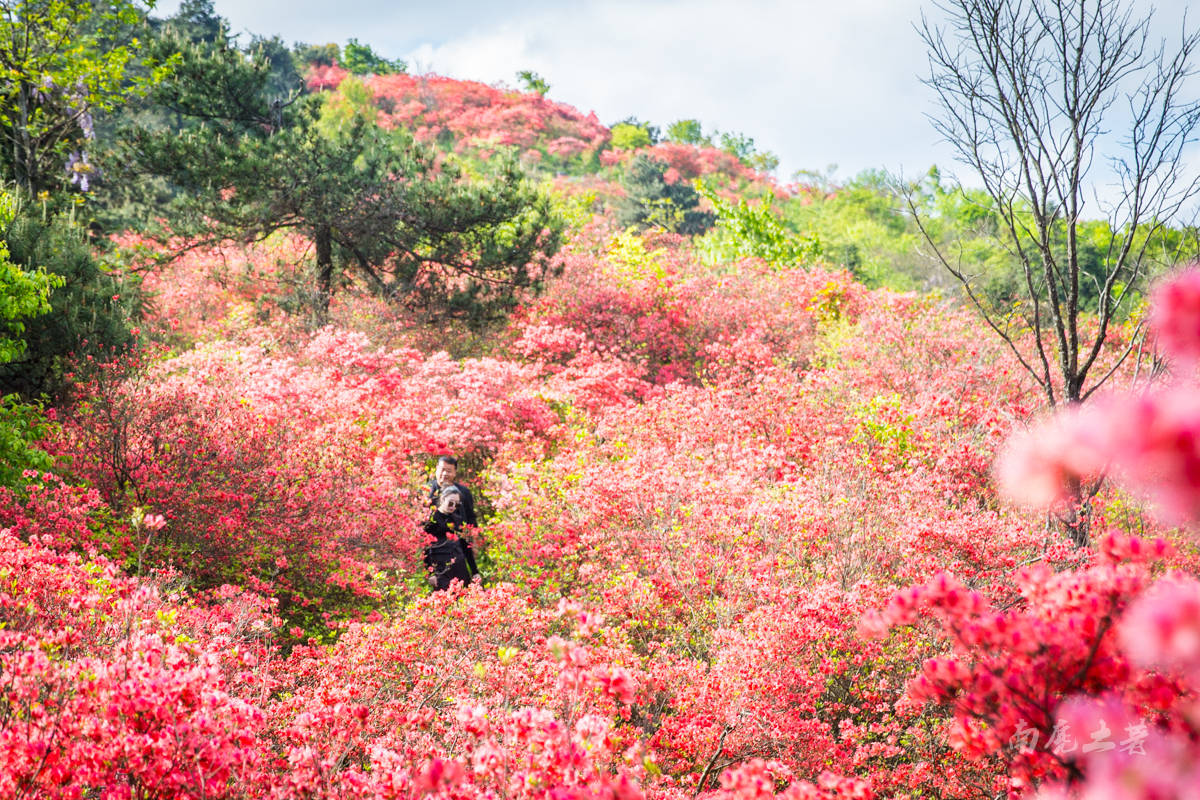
803,79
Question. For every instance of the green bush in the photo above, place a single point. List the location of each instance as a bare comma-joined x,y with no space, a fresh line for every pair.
91,307
24,293
651,202
753,231
630,136
22,426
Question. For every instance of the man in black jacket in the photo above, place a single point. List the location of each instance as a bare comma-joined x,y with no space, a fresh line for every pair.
444,477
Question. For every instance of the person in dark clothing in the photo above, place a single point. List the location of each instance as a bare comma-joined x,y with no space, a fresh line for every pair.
449,556
444,476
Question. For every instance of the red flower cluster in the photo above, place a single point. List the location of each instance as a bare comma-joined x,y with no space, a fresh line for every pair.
474,115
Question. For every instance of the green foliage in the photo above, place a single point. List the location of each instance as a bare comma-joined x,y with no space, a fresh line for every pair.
23,292
737,144
884,432
323,55
284,82
91,309
651,202
764,161
862,226
575,209
22,426
966,224
626,136
63,61
649,133
688,131
633,262
742,146
533,82
195,24
360,59
217,86
375,203
198,21
351,102
753,231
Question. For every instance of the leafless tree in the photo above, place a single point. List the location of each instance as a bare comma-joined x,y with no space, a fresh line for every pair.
1033,95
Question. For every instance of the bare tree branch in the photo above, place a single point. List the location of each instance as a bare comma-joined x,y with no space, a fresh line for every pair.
1032,94
1029,92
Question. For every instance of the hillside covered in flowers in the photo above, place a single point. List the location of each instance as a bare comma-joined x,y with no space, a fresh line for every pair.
762,512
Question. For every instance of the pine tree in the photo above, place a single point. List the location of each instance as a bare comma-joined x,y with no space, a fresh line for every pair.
376,204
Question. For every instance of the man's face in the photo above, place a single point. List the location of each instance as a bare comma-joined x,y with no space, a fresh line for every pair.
445,473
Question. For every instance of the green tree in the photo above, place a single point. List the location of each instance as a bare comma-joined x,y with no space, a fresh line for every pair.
688,131
753,231
197,21
62,61
375,203
737,144
24,293
360,59
323,55
352,101
651,202
631,133
90,307
22,426
764,161
626,136
742,146
533,82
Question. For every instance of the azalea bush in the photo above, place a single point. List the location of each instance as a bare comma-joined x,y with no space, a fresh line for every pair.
114,686
471,115
316,510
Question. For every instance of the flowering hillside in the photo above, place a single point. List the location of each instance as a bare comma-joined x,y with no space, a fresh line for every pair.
473,117
742,538
748,528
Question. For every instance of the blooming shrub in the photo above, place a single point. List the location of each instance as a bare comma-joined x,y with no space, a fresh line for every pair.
741,538
111,687
481,693
214,292
646,302
688,162
1102,649
468,114
306,508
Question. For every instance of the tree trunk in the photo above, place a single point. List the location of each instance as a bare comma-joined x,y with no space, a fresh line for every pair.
23,167
1079,527
324,244
1077,522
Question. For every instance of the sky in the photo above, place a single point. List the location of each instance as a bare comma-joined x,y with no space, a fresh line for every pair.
816,82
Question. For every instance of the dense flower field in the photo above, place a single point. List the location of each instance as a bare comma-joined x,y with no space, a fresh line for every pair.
467,116
743,539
